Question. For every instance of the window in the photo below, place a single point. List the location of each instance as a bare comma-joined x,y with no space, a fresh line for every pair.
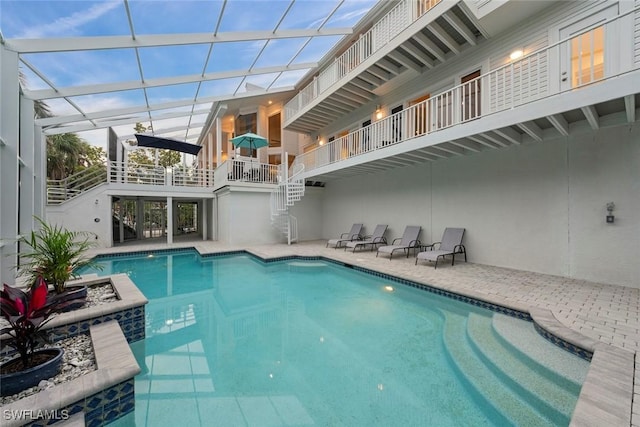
247,123
587,57
470,96
275,132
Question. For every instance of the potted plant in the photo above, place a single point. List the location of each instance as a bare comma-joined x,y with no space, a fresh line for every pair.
27,312
54,253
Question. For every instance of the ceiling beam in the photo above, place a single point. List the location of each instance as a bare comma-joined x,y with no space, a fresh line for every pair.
379,72
400,57
495,139
467,145
428,44
532,129
418,54
560,123
455,150
480,140
460,27
444,37
510,135
592,116
58,120
165,81
362,84
68,44
387,65
358,91
630,107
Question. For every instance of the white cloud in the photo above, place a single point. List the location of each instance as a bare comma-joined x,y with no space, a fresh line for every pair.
67,24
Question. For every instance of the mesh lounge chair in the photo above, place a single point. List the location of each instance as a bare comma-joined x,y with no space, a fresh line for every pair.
451,244
377,238
354,234
408,240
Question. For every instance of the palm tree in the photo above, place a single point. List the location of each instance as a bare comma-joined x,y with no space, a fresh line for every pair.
64,152
40,108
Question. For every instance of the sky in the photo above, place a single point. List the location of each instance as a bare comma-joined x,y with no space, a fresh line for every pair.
46,19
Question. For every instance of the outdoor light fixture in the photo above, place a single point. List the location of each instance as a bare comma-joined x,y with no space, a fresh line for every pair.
378,112
516,54
321,142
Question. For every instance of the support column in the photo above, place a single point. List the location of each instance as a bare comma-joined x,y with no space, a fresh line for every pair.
26,171
218,142
40,173
9,188
140,219
170,227
204,217
121,220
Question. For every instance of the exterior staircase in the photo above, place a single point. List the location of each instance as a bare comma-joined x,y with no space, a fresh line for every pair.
59,191
290,189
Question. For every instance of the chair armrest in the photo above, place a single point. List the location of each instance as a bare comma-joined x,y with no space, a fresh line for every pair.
414,243
459,249
380,240
344,235
396,239
433,245
356,237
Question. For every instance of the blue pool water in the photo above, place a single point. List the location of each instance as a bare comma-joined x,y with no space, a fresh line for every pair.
232,341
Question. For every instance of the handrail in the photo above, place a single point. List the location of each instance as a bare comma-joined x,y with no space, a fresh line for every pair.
382,32
61,190
517,83
176,176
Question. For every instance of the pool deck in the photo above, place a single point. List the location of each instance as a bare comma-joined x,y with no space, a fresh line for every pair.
598,317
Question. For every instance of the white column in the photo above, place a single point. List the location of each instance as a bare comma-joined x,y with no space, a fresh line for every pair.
170,226
218,142
9,125
40,172
121,219
26,171
204,217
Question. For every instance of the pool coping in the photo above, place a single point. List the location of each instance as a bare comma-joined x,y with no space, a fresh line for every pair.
116,365
606,396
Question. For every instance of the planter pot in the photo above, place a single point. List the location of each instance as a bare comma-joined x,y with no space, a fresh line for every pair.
16,382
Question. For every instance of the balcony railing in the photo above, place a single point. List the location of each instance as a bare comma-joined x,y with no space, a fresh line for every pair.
246,171
396,20
59,191
517,83
176,176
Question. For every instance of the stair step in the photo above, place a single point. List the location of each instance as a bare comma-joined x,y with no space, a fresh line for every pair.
553,400
552,362
501,404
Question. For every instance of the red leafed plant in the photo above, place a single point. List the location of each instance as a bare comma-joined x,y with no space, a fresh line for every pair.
27,312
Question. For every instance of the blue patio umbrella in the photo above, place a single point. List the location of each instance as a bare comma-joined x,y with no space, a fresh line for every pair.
249,140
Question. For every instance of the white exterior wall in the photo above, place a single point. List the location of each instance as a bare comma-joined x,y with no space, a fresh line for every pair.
244,217
79,214
536,207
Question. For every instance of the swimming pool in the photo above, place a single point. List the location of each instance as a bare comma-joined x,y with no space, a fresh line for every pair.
235,341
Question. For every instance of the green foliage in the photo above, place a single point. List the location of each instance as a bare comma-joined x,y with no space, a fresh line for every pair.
54,253
28,312
144,156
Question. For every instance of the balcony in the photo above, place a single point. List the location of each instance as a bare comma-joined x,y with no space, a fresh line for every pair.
496,110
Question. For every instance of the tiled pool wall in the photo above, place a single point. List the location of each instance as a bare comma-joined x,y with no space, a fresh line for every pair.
100,408
131,321
570,347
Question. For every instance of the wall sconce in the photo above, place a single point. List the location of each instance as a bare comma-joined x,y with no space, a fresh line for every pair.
610,218
516,54
320,142
378,112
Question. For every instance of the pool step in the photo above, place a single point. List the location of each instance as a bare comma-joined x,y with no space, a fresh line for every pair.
553,400
500,403
521,337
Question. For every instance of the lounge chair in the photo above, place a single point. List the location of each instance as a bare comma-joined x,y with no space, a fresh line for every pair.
377,238
354,234
408,240
451,244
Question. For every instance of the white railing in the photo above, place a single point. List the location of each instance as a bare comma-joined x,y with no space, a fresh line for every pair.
59,191
514,84
246,171
396,20
176,176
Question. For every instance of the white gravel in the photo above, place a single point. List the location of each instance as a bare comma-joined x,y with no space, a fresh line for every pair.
78,358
